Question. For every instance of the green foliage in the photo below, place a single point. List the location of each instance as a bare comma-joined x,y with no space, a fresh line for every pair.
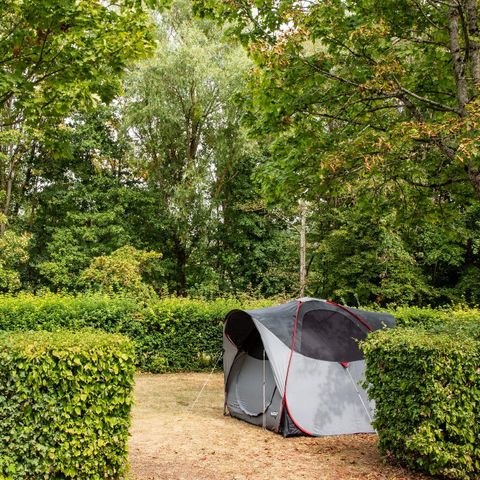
171,334
13,256
445,317
206,153
426,385
360,111
168,169
363,257
58,57
181,114
52,312
121,272
183,334
57,53
87,219
65,404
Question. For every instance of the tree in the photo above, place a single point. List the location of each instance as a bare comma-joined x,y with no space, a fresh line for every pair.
357,86
370,108
57,57
178,106
13,256
90,206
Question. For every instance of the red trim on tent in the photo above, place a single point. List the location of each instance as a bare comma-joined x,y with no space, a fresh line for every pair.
361,320
296,424
284,399
343,364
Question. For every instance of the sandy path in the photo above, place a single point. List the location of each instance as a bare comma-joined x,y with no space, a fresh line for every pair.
172,443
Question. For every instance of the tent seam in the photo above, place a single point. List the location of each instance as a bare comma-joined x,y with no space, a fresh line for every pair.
284,400
356,317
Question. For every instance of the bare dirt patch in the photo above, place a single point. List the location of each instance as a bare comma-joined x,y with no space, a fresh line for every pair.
173,442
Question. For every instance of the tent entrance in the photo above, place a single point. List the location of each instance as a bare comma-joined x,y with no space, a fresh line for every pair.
249,389
252,393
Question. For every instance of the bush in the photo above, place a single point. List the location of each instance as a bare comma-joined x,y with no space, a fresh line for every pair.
65,404
172,334
430,317
426,385
121,271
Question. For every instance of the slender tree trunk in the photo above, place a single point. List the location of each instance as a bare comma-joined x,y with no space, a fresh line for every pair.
303,247
474,176
473,43
8,193
457,58
460,67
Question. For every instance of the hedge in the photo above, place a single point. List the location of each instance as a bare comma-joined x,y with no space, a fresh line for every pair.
426,385
171,334
54,311
65,400
432,317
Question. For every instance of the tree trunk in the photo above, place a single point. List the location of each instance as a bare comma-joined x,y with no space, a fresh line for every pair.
457,58
473,44
474,176
8,194
303,246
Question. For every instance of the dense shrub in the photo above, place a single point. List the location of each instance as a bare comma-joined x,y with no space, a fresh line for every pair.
179,334
171,334
65,402
429,317
53,312
426,384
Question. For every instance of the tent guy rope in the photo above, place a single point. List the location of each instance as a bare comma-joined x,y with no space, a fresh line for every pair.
194,403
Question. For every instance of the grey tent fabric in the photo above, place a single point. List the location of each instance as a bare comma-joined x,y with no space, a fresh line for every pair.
297,369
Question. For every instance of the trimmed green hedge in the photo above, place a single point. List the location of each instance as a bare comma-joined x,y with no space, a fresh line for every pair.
431,317
426,385
53,311
65,401
172,334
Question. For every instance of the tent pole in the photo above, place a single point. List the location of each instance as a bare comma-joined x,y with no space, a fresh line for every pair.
264,420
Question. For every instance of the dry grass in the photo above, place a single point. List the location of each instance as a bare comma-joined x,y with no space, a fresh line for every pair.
173,442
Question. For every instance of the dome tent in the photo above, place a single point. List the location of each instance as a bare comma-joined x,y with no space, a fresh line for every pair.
297,369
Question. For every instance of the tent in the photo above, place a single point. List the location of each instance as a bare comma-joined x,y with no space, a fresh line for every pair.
297,368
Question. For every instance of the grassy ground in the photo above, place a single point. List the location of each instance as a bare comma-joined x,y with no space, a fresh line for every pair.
172,441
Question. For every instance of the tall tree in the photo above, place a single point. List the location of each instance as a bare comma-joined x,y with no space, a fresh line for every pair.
359,85
57,57
370,107
177,107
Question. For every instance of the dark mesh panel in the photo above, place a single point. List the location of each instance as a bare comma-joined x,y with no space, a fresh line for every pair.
241,330
331,336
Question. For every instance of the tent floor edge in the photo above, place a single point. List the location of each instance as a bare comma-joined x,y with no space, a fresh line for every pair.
288,427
